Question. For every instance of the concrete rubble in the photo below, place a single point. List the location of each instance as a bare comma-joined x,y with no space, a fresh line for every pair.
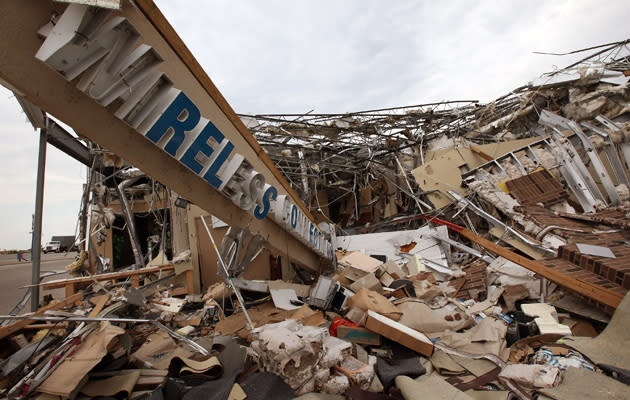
461,233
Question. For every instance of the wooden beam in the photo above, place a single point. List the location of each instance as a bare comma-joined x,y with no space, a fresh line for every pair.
69,289
585,288
100,303
517,244
57,325
190,286
17,325
481,154
103,277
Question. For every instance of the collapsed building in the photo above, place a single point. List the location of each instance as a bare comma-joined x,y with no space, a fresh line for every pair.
452,249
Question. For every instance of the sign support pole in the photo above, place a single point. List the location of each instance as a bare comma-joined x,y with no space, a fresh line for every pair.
36,244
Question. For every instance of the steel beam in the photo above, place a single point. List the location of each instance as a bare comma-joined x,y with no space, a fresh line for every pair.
611,154
61,139
624,146
556,122
36,243
601,171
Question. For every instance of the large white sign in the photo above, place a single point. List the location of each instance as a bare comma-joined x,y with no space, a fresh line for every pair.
100,52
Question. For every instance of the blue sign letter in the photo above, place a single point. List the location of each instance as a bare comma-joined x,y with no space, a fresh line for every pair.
270,192
170,119
200,145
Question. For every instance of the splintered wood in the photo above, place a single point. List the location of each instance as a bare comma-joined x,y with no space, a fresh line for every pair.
581,281
473,285
537,187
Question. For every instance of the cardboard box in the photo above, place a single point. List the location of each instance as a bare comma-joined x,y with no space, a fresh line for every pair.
386,279
369,281
399,333
357,316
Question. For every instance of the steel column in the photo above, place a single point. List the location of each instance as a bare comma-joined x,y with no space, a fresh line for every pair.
36,243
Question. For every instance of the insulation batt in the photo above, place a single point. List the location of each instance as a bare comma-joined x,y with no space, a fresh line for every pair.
527,163
585,109
301,355
494,196
618,136
623,192
504,202
545,157
511,169
338,384
598,141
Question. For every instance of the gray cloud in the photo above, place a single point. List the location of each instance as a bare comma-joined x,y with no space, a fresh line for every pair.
342,56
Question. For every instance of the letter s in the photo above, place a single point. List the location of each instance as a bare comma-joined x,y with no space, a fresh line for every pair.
270,192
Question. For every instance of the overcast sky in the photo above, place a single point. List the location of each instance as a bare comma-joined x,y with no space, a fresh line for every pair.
327,56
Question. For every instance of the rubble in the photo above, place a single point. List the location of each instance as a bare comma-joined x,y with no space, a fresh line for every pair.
479,251
302,356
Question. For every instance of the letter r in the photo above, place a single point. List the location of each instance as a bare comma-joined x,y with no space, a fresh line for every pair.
171,119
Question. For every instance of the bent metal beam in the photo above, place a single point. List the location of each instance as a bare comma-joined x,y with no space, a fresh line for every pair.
125,81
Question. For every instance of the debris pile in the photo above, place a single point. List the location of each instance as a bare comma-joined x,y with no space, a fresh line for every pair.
482,253
394,328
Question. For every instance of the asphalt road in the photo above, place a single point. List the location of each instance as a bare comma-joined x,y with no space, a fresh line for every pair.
14,274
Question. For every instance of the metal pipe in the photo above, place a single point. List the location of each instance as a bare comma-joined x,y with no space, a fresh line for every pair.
402,189
36,240
85,205
227,274
183,338
404,175
549,228
131,226
495,222
487,258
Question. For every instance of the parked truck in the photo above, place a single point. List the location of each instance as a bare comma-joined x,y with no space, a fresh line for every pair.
52,247
59,244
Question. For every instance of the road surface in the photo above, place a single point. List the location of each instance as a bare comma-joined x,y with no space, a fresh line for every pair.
14,274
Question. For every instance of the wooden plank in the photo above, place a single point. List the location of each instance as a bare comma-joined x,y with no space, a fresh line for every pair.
399,333
69,289
190,286
585,288
517,244
17,325
57,325
178,291
481,154
102,277
100,303
595,219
